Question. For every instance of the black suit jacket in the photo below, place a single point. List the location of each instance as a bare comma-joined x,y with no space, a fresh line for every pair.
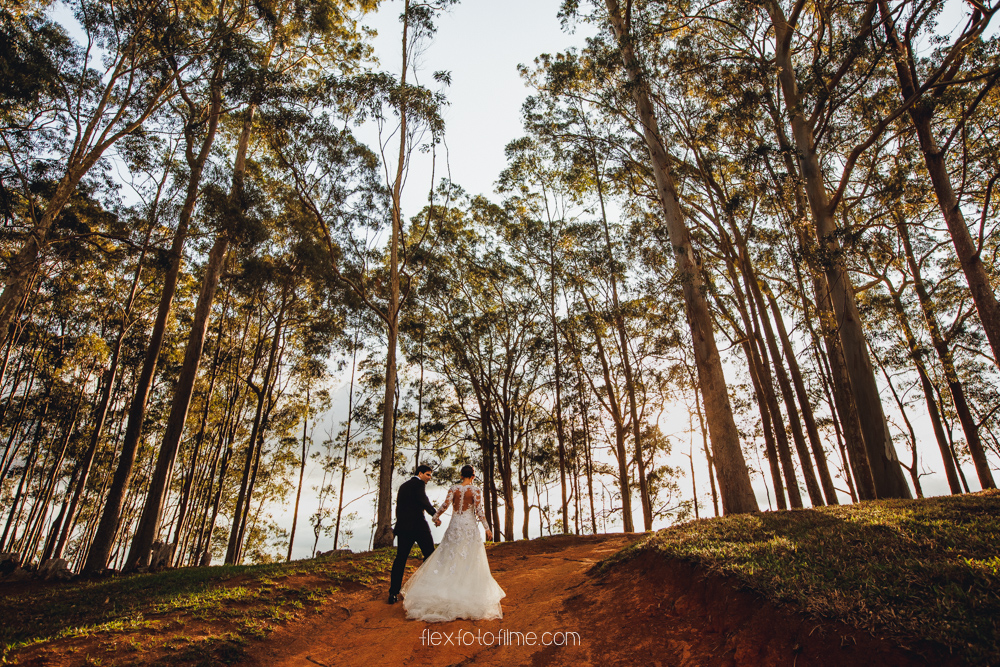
411,503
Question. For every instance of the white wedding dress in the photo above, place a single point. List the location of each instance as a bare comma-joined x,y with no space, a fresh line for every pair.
455,581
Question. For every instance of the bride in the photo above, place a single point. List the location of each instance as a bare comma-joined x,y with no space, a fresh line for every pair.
455,581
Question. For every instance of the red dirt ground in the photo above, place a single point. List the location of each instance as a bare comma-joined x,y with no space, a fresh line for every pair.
648,612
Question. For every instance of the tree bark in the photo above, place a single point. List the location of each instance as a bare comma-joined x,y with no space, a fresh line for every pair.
969,255
107,528
734,477
805,407
16,506
929,310
843,395
612,405
383,514
916,355
254,446
302,474
560,438
149,522
347,439
753,287
189,477
887,474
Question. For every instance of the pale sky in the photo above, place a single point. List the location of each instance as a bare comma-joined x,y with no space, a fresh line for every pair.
481,43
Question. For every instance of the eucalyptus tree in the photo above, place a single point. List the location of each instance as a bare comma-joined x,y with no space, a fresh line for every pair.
201,91
622,30
302,323
811,108
286,41
417,17
961,73
769,60
88,98
156,198
337,184
86,286
916,352
534,231
488,339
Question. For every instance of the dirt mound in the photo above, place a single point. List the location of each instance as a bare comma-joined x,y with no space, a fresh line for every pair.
647,611
671,613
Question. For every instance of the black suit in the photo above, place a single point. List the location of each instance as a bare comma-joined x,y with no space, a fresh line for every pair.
411,527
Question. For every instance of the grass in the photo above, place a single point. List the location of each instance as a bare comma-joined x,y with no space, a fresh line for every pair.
905,569
239,603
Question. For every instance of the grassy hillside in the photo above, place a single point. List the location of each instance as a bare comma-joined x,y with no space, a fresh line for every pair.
190,616
905,569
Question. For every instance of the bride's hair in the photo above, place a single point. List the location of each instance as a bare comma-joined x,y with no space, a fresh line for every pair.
468,472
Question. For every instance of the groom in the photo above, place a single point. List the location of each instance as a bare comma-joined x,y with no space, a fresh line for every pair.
411,503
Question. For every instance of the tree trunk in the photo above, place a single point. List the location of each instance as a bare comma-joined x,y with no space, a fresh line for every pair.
812,486
806,408
770,446
560,439
57,524
585,414
843,396
149,522
913,468
619,318
929,310
16,506
347,439
101,412
107,528
522,482
182,509
698,397
254,446
11,450
759,373
383,514
302,474
969,255
823,367
613,407
734,477
886,471
46,492
916,355
762,362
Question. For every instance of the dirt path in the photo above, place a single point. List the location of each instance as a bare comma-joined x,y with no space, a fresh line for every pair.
650,612
538,576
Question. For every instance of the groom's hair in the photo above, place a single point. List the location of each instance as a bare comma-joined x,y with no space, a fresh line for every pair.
467,472
424,468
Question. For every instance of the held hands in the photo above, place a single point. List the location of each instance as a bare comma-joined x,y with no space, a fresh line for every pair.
437,521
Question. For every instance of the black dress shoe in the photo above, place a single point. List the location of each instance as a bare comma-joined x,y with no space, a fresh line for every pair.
392,599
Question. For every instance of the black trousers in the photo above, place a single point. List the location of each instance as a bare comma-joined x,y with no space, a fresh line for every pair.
404,542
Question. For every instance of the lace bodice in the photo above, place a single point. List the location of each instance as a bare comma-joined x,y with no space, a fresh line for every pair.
463,499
